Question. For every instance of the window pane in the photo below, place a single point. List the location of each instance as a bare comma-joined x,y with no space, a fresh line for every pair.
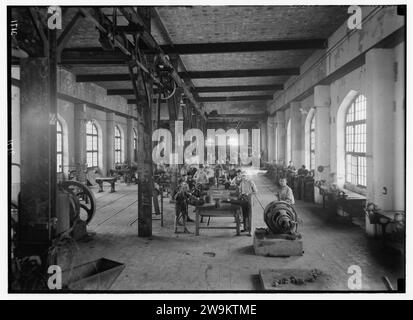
312,161
350,114
59,142
356,141
348,168
95,143
312,142
89,159
362,171
350,138
89,144
363,138
59,162
354,169
95,159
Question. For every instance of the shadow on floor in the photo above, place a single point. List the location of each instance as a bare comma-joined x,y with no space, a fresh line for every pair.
246,250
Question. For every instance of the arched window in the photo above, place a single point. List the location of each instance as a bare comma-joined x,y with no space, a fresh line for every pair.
59,146
92,137
355,142
118,145
135,146
312,143
289,155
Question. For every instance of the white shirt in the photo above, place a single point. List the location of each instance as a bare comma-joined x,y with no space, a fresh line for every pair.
247,187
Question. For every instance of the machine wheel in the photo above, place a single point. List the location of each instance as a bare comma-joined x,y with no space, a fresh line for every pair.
86,199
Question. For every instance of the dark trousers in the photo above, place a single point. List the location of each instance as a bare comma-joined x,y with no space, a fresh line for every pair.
245,203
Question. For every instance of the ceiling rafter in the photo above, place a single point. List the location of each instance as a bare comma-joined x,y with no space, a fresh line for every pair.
272,87
198,74
229,98
242,73
248,46
264,87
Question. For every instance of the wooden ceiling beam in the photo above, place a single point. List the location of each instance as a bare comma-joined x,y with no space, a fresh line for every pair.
93,56
250,46
212,48
125,92
199,74
269,87
240,73
237,117
272,87
236,98
227,99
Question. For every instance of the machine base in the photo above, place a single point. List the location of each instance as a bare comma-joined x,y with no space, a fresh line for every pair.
276,245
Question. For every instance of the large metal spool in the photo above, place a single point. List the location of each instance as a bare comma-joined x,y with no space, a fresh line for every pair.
281,217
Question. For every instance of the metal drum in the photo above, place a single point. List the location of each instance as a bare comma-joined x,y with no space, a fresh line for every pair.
281,217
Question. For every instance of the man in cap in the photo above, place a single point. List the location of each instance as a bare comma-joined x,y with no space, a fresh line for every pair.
246,189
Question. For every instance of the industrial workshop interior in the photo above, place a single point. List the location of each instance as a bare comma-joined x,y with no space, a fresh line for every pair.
207,148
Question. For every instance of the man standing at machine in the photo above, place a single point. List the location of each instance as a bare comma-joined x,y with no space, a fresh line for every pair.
246,189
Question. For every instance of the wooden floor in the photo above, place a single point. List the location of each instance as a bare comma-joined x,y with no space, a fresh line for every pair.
218,259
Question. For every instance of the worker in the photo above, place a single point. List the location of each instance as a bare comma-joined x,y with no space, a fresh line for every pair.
210,173
184,170
291,167
302,171
246,189
232,172
191,170
285,193
182,197
237,179
232,183
200,176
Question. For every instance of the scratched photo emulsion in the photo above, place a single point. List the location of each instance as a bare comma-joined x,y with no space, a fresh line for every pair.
206,148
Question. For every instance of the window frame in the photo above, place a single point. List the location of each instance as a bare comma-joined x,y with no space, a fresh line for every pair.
118,151
135,145
61,151
355,142
312,142
93,151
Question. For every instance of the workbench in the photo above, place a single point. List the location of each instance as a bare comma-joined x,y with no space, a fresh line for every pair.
383,218
352,203
110,180
325,193
347,201
224,210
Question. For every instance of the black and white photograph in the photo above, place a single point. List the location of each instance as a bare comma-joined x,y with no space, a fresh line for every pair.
239,148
